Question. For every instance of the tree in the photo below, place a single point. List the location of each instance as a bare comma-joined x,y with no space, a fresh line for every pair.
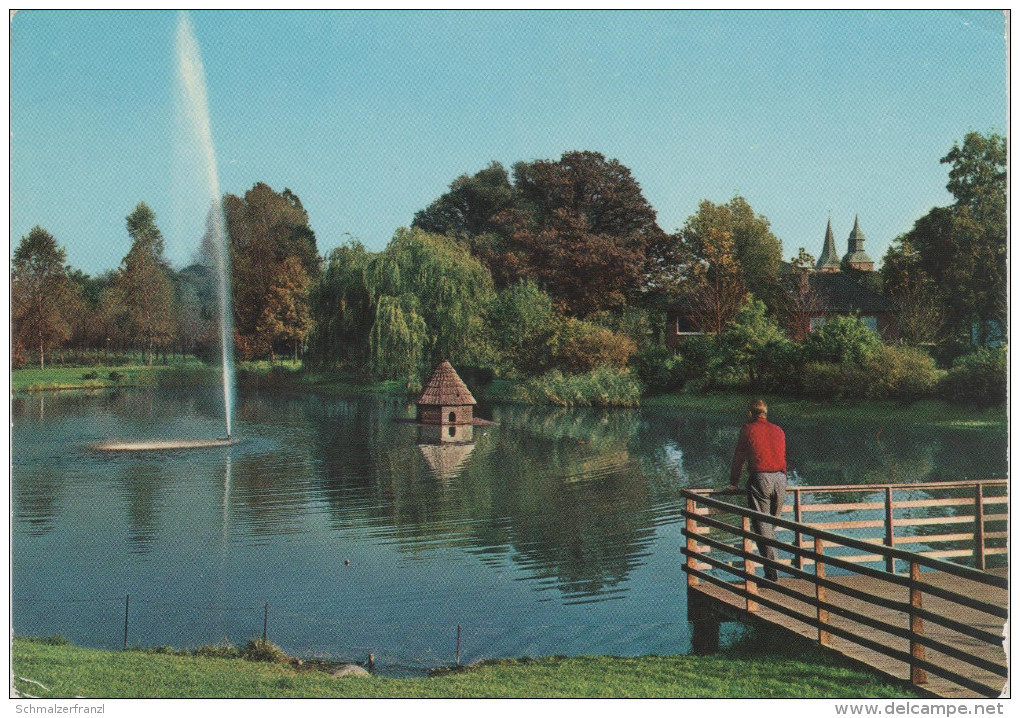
265,228
40,290
341,310
438,280
579,227
467,212
285,316
758,251
142,289
961,249
716,286
582,228
751,339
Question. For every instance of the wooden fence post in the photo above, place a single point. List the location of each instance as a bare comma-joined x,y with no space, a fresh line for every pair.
979,527
890,562
821,595
750,585
692,544
918,675
797,536
127,607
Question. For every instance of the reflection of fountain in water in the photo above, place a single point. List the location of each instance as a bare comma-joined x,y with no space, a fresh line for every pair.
193,107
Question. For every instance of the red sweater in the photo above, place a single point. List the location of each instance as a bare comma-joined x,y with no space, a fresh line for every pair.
762,445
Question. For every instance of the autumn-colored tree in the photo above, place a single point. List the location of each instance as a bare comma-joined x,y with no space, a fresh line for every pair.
716,286
142,291
583,229
40,291
578,226
265,228
285,317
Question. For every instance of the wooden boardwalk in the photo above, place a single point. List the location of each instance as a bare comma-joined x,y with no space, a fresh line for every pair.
910,614
733,607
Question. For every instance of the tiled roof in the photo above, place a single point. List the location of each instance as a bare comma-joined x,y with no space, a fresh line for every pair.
840,293
445,388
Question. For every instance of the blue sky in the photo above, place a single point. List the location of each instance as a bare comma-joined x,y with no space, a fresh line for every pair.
368,116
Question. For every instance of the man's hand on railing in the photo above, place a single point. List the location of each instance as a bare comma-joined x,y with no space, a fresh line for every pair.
732,487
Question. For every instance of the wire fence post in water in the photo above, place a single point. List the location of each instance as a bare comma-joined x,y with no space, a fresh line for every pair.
458,645
265,624
127,608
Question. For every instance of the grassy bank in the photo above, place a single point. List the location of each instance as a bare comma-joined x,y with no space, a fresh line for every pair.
748,672
930,412
263,375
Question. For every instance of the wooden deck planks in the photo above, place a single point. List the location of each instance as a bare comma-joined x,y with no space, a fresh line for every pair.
936,685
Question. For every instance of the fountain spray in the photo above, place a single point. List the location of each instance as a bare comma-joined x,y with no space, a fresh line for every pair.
195,104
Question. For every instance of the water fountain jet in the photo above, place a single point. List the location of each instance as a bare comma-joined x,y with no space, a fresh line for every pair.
194,105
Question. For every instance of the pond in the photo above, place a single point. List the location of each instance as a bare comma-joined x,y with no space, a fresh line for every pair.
553,532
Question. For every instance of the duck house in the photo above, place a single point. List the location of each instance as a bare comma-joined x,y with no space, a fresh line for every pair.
445,398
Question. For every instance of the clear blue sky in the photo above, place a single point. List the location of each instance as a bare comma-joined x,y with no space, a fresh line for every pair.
368,116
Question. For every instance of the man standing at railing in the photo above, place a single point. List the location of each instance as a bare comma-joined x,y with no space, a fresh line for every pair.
762,446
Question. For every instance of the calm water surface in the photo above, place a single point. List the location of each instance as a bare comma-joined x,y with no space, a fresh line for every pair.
553,532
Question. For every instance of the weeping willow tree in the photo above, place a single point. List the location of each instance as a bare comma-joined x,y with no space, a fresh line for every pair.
418,302
397,340
342,311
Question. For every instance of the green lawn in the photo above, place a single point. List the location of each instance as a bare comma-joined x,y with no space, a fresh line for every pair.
69,671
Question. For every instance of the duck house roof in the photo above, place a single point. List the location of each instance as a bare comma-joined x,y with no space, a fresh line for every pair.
445,388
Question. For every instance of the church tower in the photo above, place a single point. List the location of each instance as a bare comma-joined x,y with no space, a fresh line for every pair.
829,260
856,257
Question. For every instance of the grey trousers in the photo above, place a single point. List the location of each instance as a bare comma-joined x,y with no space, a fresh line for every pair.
765,493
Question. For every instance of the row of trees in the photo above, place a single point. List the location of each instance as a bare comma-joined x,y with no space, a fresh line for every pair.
555,265
147,308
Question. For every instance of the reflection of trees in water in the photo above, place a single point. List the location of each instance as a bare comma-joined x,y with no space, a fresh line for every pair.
36,497
143,486
568,502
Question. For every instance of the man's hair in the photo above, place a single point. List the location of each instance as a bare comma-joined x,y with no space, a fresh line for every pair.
757,408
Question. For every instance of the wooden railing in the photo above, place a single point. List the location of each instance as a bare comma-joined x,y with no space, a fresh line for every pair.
894,515
719,551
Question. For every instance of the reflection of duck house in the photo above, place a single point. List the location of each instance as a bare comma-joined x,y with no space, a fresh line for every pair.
445,460
445,401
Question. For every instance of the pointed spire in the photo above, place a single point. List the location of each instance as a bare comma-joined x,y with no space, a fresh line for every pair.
855,243
856,257
829,259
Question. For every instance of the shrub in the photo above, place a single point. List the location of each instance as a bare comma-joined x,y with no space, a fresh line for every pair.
116,376
843,340
697,355
831,380
902,373
978,378
602,387
221,650
90,375
581,347
260,649
659,369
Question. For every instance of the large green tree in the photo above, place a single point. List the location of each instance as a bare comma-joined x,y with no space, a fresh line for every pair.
142,288
40,292
961,249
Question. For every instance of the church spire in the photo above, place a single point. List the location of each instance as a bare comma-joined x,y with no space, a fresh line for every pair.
829,259
856,257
